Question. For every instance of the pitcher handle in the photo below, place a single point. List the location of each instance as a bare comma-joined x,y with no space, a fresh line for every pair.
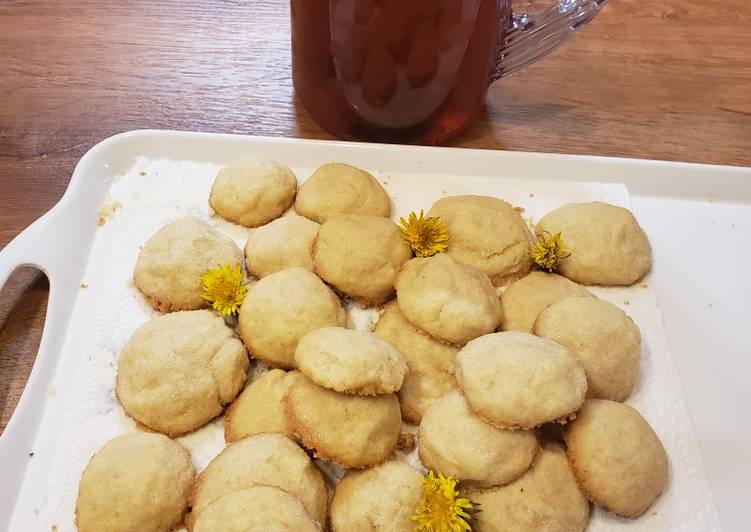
529,37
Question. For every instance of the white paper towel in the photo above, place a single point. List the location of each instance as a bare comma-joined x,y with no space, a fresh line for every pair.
84,413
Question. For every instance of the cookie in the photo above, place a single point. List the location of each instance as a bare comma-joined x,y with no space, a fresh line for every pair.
546,498
616,457
284,243
451,301
486,233
523,300
251,192
268,459
348,361
380,499
259,407
177,371
338,188
139,481
351,430
170,265
360,256
515,380
283,307
456,442
604,340
430,363
252,509
608,246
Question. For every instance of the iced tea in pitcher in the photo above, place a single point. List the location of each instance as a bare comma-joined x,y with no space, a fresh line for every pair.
413,70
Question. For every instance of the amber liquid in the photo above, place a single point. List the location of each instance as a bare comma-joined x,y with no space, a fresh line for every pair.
413,71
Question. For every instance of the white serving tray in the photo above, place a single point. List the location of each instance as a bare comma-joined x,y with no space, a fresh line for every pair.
698,218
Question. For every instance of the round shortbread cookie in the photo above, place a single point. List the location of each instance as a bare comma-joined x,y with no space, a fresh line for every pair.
170,265
456,442
338,188
430,363
352,430
449,300
284,243
608,246
605,341
268,459
545,498
139,481
251,192
254,509
283,307
487,233
259,407
616,457
515,380
380,499
177,371
360,256
349,361
524,299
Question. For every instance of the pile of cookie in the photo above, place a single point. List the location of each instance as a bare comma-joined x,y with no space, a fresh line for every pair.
530,420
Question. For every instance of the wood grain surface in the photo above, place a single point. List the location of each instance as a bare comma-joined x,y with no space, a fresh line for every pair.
662,79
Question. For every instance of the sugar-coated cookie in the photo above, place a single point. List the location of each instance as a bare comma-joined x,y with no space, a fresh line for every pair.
338,188
283,307
602,337
170,265
177,371
451,301
515,380
617,458
487,233
252,192
138,481
287,242
608,246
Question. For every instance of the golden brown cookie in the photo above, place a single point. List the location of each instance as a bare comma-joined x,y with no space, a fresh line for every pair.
608,246
352,430
524,299
430,363
449,300
456,442
604,340
545,498
170,265
360,256
379,499
338,188
139,481
178,371
349,361
283,307
487,233
616,457
287,242
259,407
267,459
515,380
252,192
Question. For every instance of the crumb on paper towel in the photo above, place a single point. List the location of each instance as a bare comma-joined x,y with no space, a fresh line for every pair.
626,302
31,454
531,194
53,528
520,210
142,173
84,285
107,210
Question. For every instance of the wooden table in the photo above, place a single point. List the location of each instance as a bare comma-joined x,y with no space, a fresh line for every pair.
663,79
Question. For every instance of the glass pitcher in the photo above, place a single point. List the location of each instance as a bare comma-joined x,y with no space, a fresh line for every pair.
415,71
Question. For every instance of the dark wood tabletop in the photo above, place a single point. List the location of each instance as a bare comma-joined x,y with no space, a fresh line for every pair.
660,79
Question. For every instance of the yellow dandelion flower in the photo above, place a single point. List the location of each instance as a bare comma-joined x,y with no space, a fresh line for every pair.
549,250
426,236
441,509
224,288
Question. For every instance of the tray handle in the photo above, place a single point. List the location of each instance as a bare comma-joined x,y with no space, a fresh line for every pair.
54,244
